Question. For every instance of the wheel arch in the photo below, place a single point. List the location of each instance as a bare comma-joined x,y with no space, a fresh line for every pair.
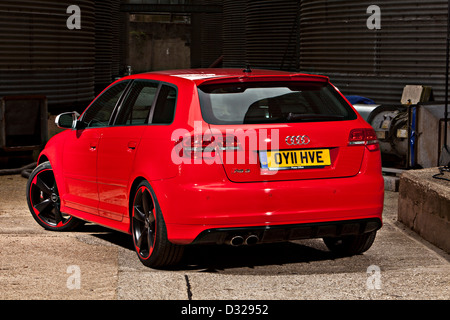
42,158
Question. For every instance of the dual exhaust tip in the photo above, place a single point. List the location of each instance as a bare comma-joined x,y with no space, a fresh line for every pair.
249,240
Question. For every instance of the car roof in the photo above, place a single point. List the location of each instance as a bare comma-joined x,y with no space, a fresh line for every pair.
219,75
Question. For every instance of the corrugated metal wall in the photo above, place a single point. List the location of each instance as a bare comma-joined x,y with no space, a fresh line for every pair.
332,38
263,33
207,43
234,40
271,32
40,55
107,39
410,47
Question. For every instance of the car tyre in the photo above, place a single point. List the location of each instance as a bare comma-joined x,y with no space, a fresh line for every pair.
350,245
44,202
149,231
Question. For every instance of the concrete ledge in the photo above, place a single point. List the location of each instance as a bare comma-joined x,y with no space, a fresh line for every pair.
424,206
391,183
391,178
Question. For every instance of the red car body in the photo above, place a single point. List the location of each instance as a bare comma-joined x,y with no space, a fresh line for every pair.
202,197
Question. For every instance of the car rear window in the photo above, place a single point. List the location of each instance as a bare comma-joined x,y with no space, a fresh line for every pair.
260,103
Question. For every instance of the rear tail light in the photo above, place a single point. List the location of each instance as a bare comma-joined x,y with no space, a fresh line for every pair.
364,136
207,145
229,142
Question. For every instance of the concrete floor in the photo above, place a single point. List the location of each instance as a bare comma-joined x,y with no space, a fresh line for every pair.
97,264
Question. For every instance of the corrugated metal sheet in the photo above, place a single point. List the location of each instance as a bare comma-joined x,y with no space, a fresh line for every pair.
107,54
40,55
271,33
211,34
103,42
262,33
206,46
234,41
116,44
410,47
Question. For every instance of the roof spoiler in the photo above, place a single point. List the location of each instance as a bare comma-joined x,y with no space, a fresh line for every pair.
300,77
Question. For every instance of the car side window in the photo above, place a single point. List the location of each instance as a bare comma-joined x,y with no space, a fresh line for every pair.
100,111
137,107
165,105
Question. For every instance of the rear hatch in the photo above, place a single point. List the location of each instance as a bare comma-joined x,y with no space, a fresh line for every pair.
282,130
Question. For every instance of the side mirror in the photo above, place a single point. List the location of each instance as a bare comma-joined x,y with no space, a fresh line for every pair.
67,120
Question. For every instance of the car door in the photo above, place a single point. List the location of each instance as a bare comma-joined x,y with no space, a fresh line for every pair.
81,151
118,146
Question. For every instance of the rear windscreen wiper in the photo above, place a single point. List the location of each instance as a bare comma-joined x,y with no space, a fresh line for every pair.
313,117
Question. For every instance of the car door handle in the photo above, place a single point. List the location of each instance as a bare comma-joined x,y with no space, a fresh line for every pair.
132,145
93,145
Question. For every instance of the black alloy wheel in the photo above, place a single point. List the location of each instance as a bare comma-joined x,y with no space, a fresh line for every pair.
144,223
44,202
149,231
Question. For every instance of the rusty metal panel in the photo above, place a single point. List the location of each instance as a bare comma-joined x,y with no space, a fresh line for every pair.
409,48
40,55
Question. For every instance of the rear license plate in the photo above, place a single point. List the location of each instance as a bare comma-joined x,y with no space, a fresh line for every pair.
294,159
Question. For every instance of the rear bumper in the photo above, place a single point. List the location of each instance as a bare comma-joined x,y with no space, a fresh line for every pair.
201,209
269,234
192,210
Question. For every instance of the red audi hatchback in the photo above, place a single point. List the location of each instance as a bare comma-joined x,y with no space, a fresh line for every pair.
214,156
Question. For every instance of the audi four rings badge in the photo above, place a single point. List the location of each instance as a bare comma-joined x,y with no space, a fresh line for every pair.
297,140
